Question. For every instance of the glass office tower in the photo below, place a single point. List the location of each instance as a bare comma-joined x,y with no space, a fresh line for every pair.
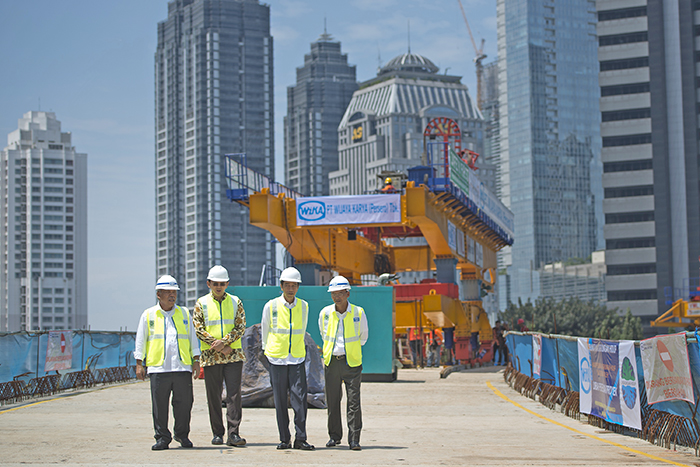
315,106
213,96
550,136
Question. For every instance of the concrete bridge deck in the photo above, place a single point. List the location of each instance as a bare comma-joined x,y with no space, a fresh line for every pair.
472,418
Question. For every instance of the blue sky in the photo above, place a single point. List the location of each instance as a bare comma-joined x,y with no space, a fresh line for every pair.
91,62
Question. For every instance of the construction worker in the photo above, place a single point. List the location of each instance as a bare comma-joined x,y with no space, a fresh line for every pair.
344,331
219,319
166,340
435,347
523,327
388,187
415,342
283,329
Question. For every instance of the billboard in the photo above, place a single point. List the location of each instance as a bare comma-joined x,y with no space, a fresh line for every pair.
345,210
608,386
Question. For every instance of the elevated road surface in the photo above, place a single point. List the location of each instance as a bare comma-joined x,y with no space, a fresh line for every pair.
472,418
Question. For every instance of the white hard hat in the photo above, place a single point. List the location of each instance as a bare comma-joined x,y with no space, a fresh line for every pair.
218,274
167,282
290,275
338,283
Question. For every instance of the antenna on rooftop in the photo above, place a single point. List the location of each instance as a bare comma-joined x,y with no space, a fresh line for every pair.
409,36
325,36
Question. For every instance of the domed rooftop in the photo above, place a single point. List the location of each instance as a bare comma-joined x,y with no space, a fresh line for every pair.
409,62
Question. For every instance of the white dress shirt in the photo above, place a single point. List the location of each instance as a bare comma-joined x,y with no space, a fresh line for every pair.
339,348
265,330
171,362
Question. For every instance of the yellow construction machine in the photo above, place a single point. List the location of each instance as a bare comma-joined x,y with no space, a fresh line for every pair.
463,226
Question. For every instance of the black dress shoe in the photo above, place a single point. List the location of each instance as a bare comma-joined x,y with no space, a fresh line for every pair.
303,445
284,445
355,446
184,442
160,445
217,440
331,442
235,440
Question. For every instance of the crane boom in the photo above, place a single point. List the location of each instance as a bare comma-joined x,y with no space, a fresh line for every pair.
464,15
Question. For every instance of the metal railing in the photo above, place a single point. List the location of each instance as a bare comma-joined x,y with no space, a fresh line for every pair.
242,181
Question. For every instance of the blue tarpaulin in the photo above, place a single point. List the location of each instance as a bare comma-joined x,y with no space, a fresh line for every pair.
560,367
23,352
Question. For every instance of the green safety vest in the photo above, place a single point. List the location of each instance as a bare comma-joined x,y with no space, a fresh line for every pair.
351,326
287,329
219,318
155,345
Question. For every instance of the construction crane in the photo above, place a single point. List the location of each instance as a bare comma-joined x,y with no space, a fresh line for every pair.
478,58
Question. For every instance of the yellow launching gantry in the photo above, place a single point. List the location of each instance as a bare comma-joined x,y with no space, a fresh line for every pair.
463,232
680,311
340,248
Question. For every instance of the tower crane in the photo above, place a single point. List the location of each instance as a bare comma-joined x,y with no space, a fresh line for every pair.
478,58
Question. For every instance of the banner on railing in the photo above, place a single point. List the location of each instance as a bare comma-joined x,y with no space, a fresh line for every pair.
608,381
667,368
59,351
536,355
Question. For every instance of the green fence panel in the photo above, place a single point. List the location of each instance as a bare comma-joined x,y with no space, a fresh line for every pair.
378,302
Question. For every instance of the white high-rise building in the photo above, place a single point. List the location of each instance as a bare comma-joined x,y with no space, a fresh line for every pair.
43,207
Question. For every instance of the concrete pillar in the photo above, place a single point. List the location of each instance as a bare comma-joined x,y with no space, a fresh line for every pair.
310,273
446,269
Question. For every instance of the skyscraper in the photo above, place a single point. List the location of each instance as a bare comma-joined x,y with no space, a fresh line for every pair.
214,96
315,106
43,207
550,135
383,126
649,95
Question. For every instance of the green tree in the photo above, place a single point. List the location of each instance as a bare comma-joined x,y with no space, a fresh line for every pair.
573,317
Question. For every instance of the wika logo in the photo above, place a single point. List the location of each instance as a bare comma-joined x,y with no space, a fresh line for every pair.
586,375
312,210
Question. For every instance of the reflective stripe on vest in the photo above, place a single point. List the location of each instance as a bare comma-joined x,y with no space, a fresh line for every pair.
219,318
351,334
155,345
287,329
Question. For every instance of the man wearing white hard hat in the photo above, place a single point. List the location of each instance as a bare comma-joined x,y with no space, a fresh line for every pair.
344,330
167,343
283,329
219,319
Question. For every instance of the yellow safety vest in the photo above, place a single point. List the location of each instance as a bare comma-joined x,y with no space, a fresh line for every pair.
219,318
155,345
351,326
287,329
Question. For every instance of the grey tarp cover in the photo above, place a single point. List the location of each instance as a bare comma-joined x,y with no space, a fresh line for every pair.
255,386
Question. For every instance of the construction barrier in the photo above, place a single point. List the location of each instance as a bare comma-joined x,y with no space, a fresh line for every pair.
667,424
93,358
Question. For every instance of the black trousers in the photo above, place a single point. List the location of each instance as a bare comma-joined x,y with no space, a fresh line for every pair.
290,379
179,384
214,378
337,372
416,351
